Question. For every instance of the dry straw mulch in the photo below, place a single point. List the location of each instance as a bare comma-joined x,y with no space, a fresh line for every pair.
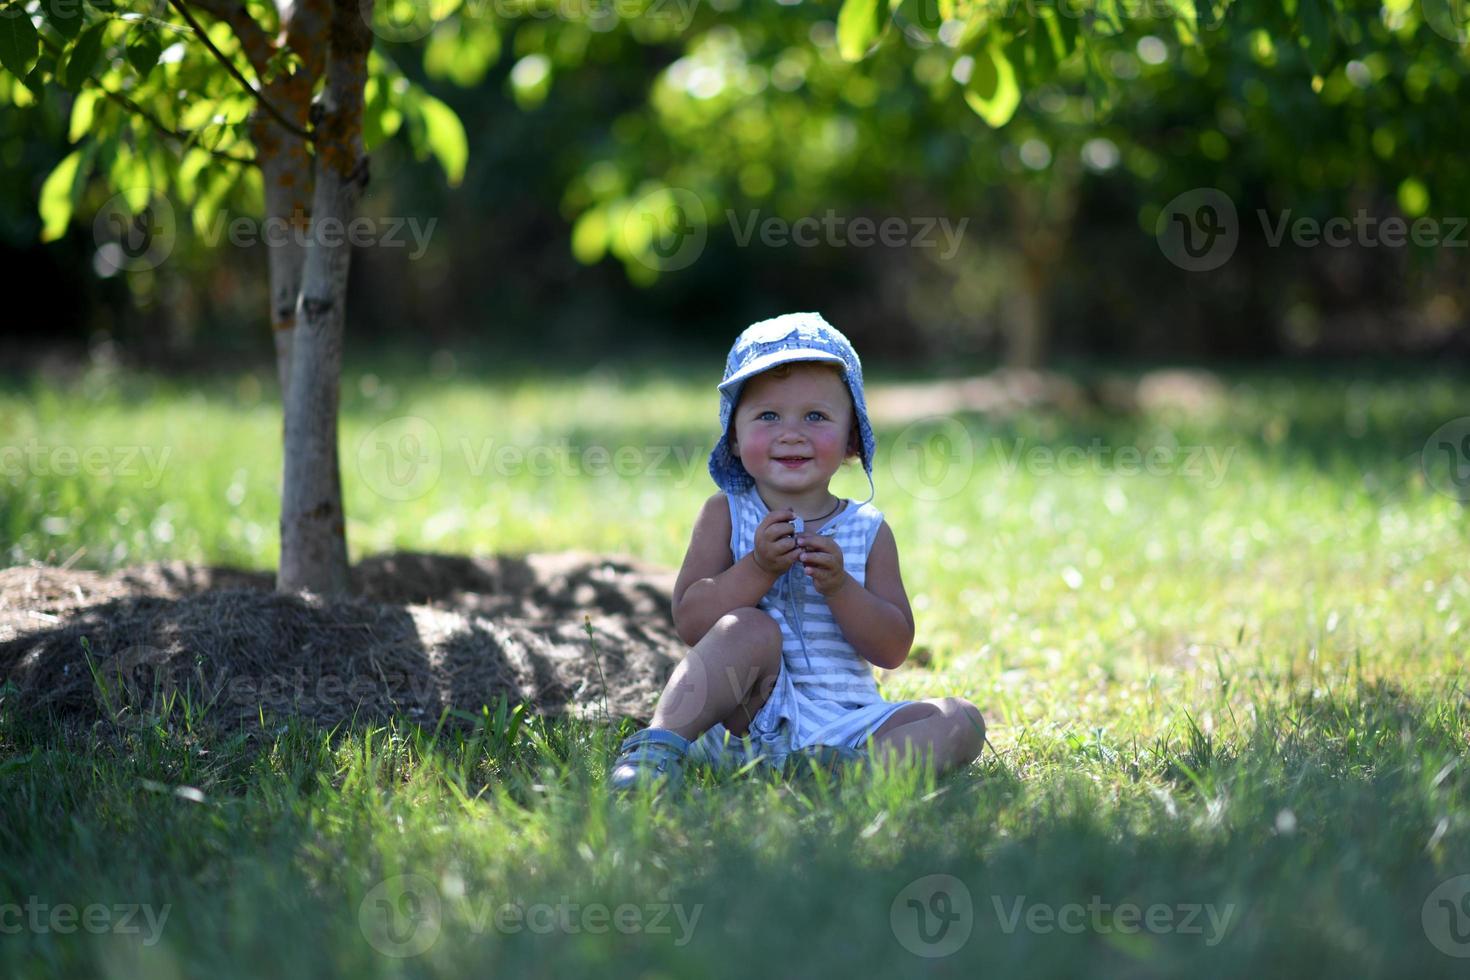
423,633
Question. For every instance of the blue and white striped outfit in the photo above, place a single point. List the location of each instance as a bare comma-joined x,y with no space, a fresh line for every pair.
825,692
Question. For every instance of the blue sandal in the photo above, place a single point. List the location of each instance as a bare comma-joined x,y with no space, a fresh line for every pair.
654,756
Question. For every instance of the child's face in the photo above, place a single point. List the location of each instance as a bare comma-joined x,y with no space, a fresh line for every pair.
793,432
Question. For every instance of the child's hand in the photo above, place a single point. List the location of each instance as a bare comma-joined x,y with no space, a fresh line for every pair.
821,557
775,544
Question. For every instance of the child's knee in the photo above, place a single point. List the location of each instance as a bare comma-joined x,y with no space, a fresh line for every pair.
755,630
969,725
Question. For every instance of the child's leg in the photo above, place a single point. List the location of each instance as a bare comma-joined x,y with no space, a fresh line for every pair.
726,676
950,730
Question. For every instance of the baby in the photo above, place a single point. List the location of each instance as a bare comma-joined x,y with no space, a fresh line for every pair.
788,595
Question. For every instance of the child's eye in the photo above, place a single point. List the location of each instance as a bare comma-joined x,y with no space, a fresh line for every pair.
765,413
816,413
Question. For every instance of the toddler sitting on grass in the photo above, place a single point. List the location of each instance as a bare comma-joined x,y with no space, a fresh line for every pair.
788,595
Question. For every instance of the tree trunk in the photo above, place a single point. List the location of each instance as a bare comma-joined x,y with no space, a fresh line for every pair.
313,534
1029,331
286,170
1042,215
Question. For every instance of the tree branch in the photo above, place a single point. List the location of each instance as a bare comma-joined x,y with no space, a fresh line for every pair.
157,123
253,39
235,72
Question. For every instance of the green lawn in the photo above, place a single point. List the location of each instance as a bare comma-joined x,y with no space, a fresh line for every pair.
1228,699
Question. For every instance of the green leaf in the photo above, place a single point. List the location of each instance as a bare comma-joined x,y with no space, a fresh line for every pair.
64,16
1100,84
974,29
57,199
859,25
1205,16
20,43
83,111
82,57
589,236
1316,36
446,137
143,52
285,62
1109,17
992,90
1061,32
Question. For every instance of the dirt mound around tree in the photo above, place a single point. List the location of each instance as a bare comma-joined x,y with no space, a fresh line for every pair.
423,633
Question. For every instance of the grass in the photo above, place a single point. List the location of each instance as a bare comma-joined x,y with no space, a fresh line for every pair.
1235,703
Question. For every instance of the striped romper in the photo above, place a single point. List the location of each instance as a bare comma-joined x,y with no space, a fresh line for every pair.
825,693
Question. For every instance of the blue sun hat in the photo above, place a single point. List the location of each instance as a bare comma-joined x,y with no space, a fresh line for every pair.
780,340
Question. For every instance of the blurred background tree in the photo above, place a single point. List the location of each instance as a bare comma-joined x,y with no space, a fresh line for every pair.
1059,132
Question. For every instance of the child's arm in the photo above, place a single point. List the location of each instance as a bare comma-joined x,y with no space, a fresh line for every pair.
876,620
711,582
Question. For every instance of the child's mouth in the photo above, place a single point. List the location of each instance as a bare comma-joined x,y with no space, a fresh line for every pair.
792,461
